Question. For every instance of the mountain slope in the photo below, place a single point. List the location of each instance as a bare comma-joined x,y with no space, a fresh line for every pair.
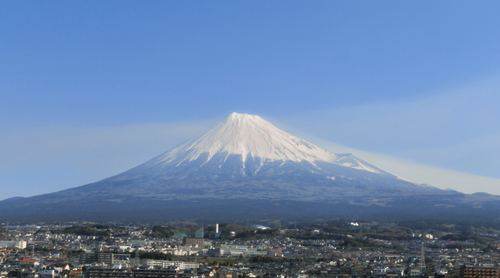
244,162
241,154
250,136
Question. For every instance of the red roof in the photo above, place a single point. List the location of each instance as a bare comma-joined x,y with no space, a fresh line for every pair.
62,265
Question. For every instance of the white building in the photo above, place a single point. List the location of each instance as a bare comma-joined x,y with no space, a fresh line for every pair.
21,244
166,264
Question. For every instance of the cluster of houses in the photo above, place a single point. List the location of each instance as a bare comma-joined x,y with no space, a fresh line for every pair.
35,252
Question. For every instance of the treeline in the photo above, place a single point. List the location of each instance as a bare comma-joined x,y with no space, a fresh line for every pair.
266,259
356,242
162,232
258,234
84,231
390,236
154,256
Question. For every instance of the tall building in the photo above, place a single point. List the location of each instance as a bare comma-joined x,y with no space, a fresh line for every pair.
107,258
478,272
21,244
191,241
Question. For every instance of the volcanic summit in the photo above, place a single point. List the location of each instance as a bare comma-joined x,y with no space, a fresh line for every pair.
246,167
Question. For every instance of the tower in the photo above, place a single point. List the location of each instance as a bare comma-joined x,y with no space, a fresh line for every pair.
422,259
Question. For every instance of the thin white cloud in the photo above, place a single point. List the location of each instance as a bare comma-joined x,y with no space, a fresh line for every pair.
411,170
46,159
425,174
456,129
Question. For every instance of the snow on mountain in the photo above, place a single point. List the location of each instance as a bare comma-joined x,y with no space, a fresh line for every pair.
246,166
252,136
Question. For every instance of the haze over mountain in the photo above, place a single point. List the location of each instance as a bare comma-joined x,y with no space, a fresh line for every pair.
246,167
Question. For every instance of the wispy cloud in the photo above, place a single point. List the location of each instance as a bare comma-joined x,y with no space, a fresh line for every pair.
447,139
454,129
45,159
420,173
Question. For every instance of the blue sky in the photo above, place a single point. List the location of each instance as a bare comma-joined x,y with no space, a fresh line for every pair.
89,89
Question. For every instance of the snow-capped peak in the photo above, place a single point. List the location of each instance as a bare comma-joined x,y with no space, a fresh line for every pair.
251,135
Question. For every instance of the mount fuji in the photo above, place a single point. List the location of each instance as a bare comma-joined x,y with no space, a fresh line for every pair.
245,167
